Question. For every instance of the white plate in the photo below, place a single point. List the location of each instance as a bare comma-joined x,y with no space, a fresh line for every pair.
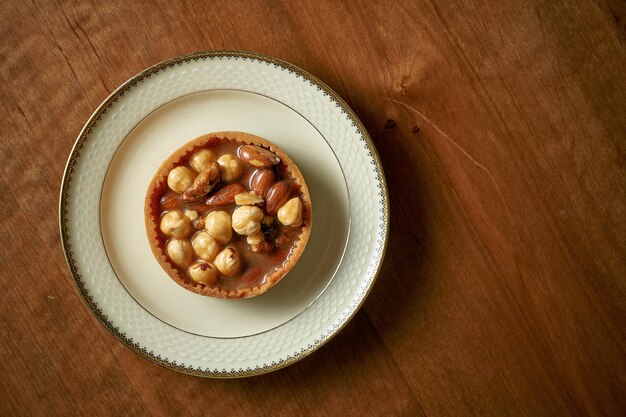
142,123
152,141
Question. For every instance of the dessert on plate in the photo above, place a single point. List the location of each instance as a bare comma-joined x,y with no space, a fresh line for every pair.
228,215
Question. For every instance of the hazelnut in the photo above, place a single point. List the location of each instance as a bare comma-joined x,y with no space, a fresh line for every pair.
218,225
247,220
180,252
205,246
258,244
255,239
227,261
262,247
230,166
291,213
202,159
175,224
180,178
203,273
191,214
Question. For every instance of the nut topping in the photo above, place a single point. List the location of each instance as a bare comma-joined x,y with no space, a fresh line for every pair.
231,167
261,181
291,213
247,220
230,216
175,224
218,225
202,159
225,196
203,184
170,201
255,239
199,223
257,156
204,273
191,214
227,261
180,178
277,196
205,246
180,252
258,244
263,247
248,199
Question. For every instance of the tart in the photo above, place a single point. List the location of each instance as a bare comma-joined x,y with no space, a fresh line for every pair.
228,215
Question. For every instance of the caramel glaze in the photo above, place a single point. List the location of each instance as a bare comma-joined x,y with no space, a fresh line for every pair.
255,266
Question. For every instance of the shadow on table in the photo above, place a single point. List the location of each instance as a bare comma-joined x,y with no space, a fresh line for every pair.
352,364
404,284
399,294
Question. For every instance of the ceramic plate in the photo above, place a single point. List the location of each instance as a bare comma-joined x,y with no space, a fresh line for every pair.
140,125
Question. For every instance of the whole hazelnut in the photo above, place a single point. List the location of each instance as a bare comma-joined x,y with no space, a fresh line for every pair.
218,225
247,220
180,178
202,159
291,213
205,246
175,224
180,252
227,261
204,273
231,167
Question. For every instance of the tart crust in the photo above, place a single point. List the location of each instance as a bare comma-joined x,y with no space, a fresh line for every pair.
152,214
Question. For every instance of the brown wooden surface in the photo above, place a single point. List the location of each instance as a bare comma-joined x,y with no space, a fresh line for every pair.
502,130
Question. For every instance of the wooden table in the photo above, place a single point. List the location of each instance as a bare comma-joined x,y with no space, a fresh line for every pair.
502,131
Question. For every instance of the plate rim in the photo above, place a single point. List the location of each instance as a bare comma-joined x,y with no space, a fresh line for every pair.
69,169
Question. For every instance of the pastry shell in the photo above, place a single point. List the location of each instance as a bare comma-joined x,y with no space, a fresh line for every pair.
152,212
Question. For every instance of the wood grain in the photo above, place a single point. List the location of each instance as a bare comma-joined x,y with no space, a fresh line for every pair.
502,131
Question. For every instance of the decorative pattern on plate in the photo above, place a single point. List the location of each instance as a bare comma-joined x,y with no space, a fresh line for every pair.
107,129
